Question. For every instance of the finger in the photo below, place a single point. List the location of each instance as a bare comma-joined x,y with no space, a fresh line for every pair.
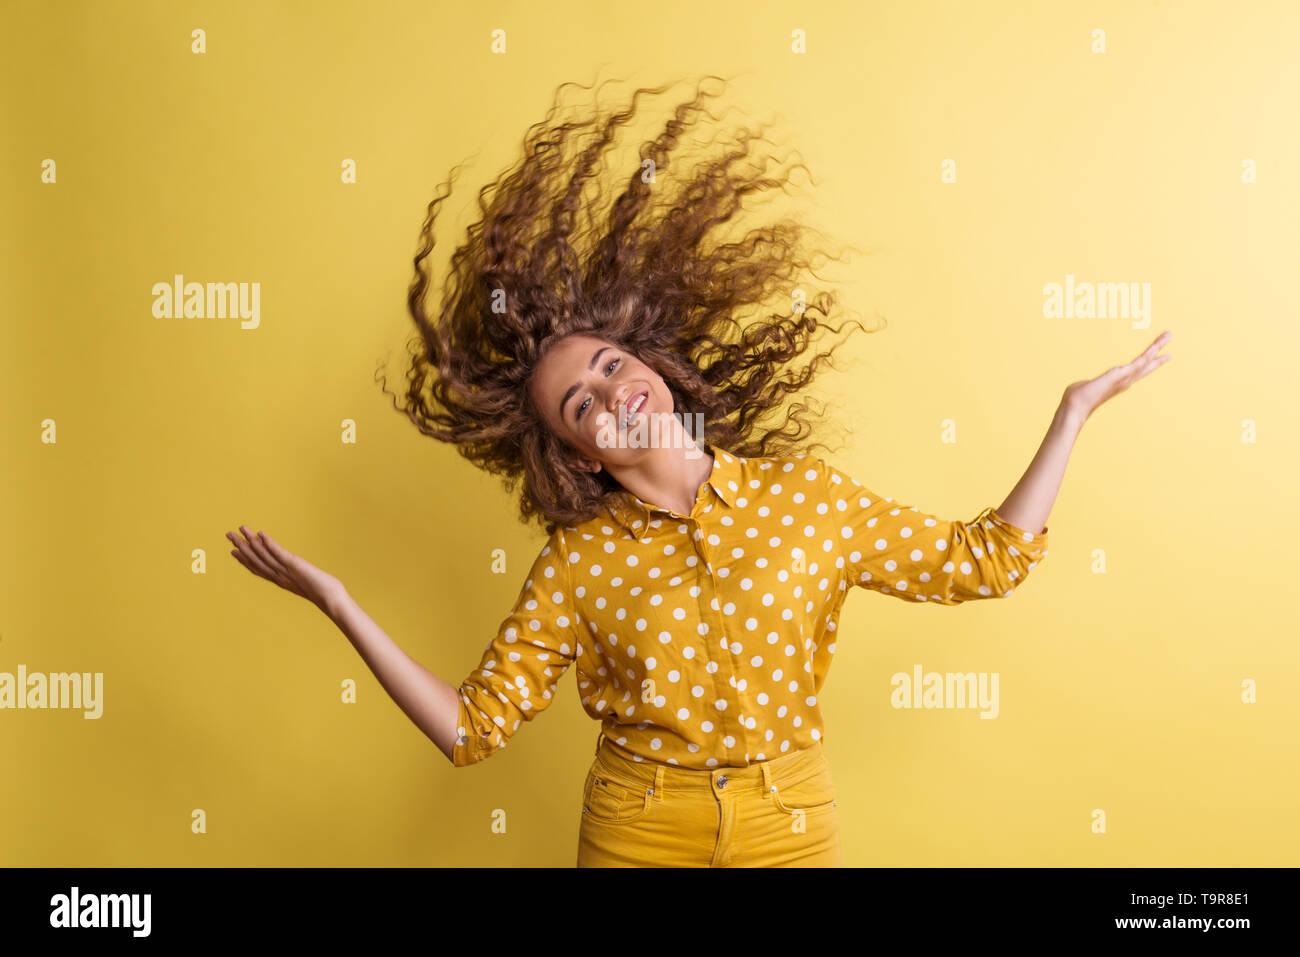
239,557
1138,363
268,555
285,577
255,558
1153,367
241,552
281,554
286,560
259,548
1156,345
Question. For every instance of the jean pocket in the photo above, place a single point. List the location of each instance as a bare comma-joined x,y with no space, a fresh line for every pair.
611,801
815,792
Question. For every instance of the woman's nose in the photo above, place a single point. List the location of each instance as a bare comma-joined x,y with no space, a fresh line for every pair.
617,396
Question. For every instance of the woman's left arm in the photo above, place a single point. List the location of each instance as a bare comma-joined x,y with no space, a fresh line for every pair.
1031,500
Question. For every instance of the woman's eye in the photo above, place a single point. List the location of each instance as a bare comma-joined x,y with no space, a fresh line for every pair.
583,408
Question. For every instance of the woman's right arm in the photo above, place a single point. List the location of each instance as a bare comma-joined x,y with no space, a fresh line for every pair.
432,703
429,701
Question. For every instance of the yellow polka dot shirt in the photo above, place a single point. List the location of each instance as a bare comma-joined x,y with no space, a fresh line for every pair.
702,640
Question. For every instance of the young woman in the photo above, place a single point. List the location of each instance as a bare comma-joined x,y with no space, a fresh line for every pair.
697,560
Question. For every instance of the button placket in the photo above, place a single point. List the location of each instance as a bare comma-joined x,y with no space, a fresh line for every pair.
725,670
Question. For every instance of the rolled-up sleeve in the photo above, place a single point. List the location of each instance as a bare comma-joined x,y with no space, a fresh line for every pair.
897,550
515,680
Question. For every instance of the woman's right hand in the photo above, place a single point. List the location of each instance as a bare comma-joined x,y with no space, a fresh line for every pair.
265,557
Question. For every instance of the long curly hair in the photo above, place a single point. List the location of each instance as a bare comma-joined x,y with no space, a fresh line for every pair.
646,271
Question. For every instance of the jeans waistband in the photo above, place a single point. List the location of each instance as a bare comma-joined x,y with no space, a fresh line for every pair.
787,769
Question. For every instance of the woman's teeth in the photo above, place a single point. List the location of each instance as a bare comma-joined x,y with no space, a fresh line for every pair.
634,408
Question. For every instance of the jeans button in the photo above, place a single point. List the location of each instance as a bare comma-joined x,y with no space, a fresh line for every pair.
722,781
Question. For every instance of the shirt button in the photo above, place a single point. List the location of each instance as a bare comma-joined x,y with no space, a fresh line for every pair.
722,780
462,739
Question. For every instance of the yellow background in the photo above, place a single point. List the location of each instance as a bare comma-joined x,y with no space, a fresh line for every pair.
1119,691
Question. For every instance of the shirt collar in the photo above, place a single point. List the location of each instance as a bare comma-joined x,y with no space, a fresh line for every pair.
725,480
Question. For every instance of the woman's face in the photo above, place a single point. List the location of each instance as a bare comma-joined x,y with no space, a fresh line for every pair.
584,385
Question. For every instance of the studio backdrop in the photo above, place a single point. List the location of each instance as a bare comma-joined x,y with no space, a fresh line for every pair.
209,217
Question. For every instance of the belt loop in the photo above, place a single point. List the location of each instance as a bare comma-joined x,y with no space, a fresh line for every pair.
767,776
600,738
659,782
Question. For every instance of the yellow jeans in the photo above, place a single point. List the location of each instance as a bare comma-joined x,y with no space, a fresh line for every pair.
776,813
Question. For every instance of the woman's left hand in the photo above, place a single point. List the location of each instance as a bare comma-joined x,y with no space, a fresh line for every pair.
1083,397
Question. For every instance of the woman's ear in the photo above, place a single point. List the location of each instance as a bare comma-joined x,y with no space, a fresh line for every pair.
587,465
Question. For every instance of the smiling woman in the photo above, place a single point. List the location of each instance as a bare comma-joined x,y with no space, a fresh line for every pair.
566,302
695,581
596,415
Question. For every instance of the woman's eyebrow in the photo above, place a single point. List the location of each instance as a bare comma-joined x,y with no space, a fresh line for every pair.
574,388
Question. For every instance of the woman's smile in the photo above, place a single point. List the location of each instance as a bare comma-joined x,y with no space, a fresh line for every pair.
633,409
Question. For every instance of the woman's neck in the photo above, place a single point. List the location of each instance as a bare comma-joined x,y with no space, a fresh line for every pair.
670,474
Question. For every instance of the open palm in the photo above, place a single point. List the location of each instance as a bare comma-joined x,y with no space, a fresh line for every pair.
1086,395
265,557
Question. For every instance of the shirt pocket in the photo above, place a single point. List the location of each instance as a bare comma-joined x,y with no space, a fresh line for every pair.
609,800
815,792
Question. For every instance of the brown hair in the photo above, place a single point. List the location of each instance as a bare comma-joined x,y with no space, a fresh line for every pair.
645,272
